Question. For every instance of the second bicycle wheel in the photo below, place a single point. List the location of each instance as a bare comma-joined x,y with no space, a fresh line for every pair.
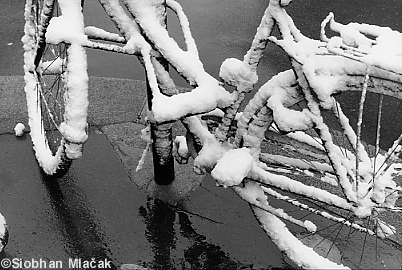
48,78
299,179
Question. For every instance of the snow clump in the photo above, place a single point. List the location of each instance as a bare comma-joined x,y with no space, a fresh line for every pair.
233,167
19,129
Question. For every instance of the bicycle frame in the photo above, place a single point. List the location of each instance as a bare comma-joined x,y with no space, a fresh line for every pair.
138,32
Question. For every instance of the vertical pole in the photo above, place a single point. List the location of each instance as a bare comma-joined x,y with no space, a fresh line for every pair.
162,148
161,134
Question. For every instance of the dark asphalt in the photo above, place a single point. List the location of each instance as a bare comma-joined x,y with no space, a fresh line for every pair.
95,211
111,100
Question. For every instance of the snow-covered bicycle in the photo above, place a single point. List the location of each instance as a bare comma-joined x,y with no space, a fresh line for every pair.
324,189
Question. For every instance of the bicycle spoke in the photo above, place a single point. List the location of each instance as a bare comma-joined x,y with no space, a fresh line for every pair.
299,153
362,253
339,226
377,137
343,137
359,129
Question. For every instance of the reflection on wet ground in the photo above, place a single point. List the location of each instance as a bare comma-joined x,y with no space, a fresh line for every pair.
80,234
162,233
95,212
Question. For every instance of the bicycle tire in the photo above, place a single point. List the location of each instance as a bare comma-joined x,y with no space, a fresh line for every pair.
364,252
50,100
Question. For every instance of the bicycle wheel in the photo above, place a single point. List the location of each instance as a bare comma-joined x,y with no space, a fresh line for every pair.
301,174
56,91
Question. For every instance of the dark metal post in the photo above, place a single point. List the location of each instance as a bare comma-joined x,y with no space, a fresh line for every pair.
162,148
161,134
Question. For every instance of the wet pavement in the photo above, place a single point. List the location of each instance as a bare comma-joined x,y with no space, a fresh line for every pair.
96,211
103,209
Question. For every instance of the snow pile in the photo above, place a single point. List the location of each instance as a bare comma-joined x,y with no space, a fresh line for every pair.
19,129
233,167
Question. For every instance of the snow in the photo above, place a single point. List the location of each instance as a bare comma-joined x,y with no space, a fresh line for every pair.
182,148
233,167
145,136
95,32
3,231
334,44
311,227
305,257
141,162
285,2
74,127
305,138
388,43
47,161
384,230
384,51
254,194
19,129
330,179
208,93
146,133
308,173
69,27
201,99
185,26
207,158
352,37
291,185
237,73
53,66
2,226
